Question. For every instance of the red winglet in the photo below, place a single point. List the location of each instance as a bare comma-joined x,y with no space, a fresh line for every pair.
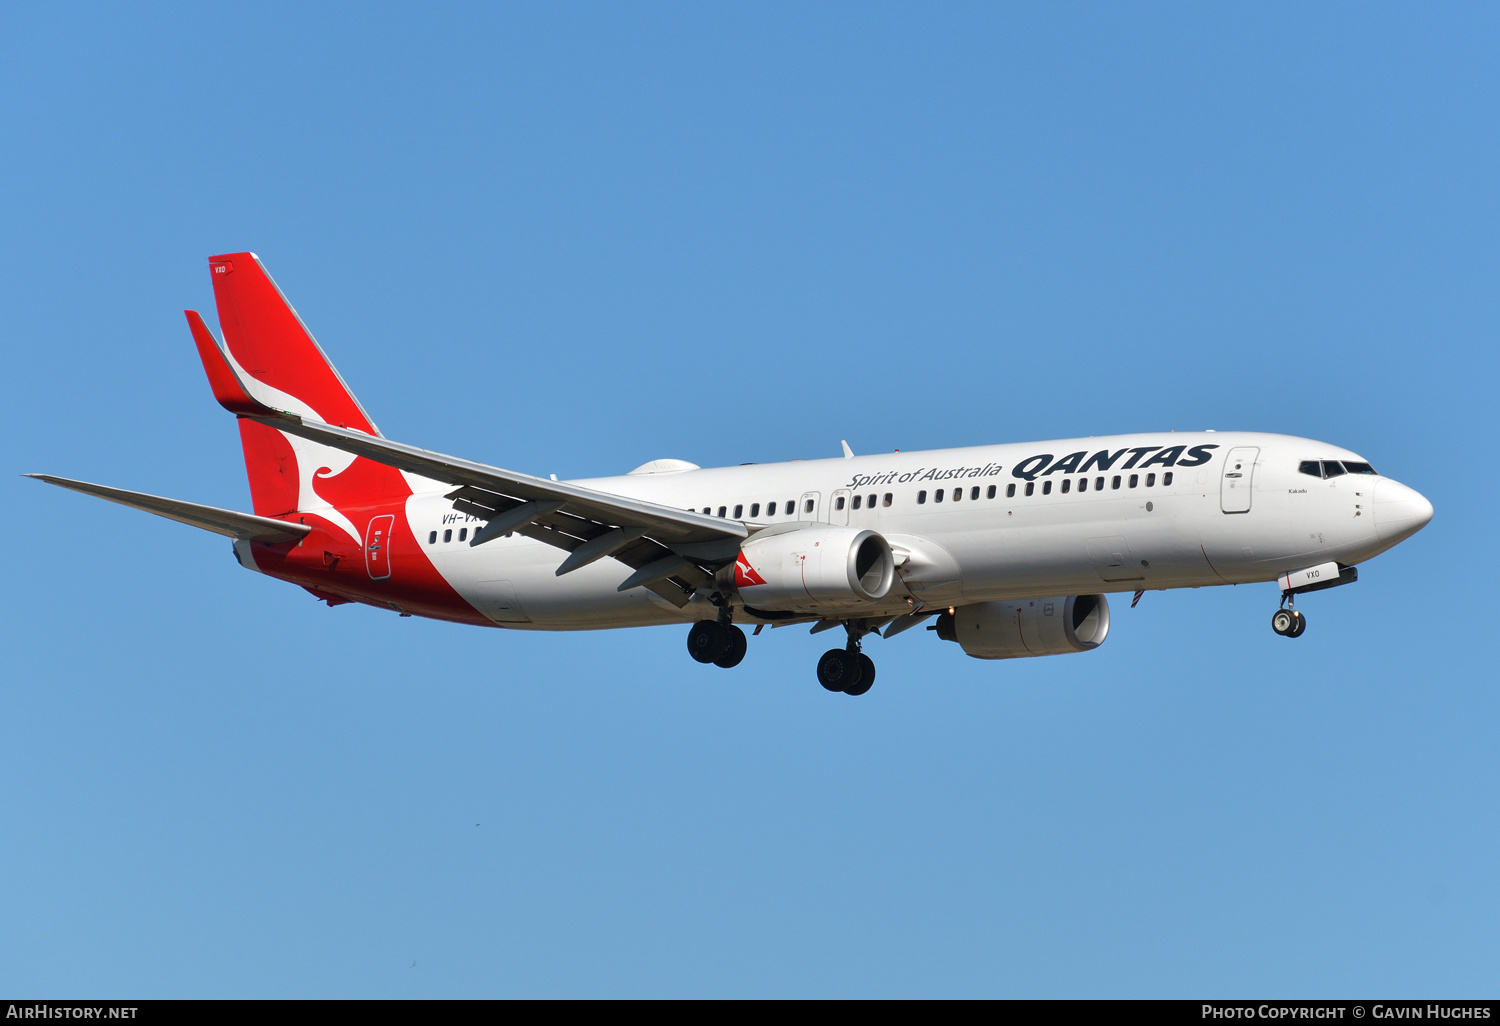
221,377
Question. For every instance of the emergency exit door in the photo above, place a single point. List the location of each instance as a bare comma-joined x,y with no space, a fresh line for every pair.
378,547
1239,475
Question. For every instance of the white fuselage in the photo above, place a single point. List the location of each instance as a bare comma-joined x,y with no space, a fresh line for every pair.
1145,519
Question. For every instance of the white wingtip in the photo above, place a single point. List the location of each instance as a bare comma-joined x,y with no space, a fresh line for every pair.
848,452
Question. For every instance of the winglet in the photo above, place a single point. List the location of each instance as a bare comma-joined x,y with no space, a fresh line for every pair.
222,379
848,452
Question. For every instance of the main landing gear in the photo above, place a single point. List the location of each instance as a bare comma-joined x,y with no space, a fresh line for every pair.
1288,622
720,643
847,669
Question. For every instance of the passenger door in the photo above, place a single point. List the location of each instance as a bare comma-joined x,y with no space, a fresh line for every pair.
378,547
1239,476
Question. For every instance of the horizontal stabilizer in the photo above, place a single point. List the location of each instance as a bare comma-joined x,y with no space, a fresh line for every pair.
210,518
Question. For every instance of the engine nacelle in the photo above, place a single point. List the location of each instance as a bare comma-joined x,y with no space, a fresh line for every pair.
814,568
1030,627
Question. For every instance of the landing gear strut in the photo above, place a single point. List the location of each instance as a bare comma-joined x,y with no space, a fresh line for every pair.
1287,621
847,669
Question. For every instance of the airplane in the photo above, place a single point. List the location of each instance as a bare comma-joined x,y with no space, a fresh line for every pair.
1010,549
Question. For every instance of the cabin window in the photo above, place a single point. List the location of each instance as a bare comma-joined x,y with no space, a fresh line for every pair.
1135,479
1010,491
448,535
463,534
974,492
870,502
921,498
1030,487
809,506
754,510
858,501
1047,487
791,507
432,538
1358,468
958,493
1067,484
722,511
1083,484
939,495
708,511
1099,484
991,493
838,502
770,509
887,500
739,511
1115,482
1333,468
1150,480
1166,479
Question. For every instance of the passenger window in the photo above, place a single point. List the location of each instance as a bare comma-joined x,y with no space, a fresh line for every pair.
1030,487
939,495
770,509
463,534
708,511
1099,484
790,507
958,493
858,501
739,511
448,535
1135,479
921,498
838,502
1046,487
1358,468
721,512
974,492
1166,479
1115,482
1010,491
809,505
1312,468
1150,480
1333,468
887,500
754,510
870,502
432,538
1067,484
991,493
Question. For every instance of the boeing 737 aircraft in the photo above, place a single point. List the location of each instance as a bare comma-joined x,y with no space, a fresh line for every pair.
1011,547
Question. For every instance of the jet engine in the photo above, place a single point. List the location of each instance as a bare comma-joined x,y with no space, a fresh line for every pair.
814,568
1030,627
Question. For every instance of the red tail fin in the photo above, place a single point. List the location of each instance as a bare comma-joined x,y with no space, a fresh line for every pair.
272,346
274,358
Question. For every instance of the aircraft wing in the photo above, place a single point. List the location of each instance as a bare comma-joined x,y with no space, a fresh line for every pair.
210,518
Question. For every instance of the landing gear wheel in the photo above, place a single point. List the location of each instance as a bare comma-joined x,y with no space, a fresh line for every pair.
735,650
1299,626
1283,621
839,670
707,641
866,676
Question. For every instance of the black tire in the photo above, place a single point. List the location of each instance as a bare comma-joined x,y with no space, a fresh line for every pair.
735,651
866,676
1301,625
707,641
1283,621
838,670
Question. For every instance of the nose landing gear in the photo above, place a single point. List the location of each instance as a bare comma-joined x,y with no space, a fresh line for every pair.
1289,623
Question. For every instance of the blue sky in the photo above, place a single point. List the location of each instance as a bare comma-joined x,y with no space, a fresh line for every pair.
568,239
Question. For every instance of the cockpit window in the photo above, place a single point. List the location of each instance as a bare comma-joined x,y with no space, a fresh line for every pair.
1358,468
1312,467
1333,468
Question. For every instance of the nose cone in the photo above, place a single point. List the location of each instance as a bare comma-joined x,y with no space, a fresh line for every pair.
1400,512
